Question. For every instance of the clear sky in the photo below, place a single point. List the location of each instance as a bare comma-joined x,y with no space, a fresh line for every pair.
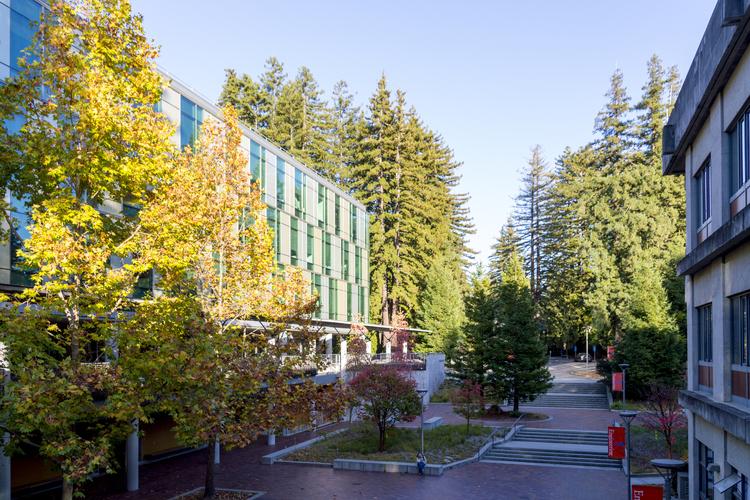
493,77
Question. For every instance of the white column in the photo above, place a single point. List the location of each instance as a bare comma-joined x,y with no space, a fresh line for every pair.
217,452
132,458
329,344
368,347
406,347
271,439
342,351
387,349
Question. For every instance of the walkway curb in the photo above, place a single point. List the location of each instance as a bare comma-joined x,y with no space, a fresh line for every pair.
271,458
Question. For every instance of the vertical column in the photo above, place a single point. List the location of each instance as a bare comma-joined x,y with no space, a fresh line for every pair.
5,476
132,458
692,336
329,344
722,339
387,349
217,451
368,347
342,352
271,438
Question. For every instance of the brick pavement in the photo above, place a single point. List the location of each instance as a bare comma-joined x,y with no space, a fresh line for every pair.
242,469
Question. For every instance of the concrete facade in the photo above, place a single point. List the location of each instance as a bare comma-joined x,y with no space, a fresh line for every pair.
706,139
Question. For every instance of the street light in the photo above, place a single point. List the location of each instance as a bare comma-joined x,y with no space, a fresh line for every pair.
628,416
421,393
624,367
669,466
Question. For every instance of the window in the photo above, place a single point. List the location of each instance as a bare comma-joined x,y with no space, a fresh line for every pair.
280,183
19,274
705,337
257,163
705,478
357,264
317,285
24,14
333,297
344,260
273,222
294,241
348,301
353,223
703,194
337,215
191,119
299,193
327,253
322,206
362,310
740,328
738,490
740,139
310,246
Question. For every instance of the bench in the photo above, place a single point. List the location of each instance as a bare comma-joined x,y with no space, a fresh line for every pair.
433,422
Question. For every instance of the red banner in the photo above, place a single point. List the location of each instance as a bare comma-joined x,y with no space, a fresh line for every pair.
617,382
616,442
647,492
610,353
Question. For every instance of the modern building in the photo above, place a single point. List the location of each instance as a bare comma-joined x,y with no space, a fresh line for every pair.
707,138
318,227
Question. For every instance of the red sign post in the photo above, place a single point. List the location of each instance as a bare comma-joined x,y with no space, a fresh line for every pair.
616,442
647,492
610,353
617,382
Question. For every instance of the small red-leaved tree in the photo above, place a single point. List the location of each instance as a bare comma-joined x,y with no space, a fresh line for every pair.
467,401
386,396
664,414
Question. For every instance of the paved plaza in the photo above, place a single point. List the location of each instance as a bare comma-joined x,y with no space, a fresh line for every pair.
242,469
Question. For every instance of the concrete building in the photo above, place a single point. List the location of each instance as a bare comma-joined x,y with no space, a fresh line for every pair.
707,138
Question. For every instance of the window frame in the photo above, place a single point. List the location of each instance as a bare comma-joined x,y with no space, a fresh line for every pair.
704,333
740,328
702,180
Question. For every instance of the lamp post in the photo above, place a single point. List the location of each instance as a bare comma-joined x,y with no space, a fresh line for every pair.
624,367
669,467
421,393
628,416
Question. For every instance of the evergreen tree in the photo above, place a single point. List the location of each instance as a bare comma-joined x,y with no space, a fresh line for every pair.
531,217
479,346
441,310
504,246
244,95
346,118
521,368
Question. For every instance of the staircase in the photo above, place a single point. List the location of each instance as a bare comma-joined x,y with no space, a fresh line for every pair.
592,396
554,447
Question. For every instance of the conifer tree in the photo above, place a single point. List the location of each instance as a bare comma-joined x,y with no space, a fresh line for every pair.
519,369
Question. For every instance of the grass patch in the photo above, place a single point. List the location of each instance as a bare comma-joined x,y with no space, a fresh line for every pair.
648,444
444,444
630,405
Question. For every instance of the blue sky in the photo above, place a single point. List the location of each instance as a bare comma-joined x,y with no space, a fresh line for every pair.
493,77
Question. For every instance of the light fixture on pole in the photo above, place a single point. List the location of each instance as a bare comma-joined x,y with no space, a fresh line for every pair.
624,367
666,468
628,416
421,393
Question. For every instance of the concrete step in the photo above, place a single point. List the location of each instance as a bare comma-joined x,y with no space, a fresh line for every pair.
583,388
541,439
551,457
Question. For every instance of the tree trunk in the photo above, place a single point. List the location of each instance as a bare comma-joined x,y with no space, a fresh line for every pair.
381,441
67,490
515,401
209,489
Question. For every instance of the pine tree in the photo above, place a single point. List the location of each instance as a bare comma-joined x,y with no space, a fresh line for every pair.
479,346
345,122
521,366
244,95
531,216
441,309
504,246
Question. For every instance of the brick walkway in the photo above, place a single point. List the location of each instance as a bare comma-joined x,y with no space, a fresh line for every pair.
561,418
242,469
